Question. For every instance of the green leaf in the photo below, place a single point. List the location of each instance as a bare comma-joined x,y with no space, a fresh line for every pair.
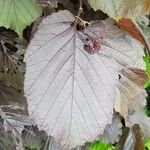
147,145
147,84
99,145
17,14
147,64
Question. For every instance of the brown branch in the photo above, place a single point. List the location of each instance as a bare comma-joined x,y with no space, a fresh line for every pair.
80,11
78,19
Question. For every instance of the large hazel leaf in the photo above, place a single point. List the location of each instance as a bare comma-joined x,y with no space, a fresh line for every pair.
17,14
121,8
71,76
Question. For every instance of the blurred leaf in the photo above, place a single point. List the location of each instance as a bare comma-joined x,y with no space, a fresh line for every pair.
13,109
8,139
51,144
131,97
48,6
144,24
12,67
142,120
17,14
99,145
143,21
33,138
113,131
128,26
137,76
132,139
139,144
12,100
129,141
147,6
147,145
122,140
121,8
147,84
13,121
51,3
